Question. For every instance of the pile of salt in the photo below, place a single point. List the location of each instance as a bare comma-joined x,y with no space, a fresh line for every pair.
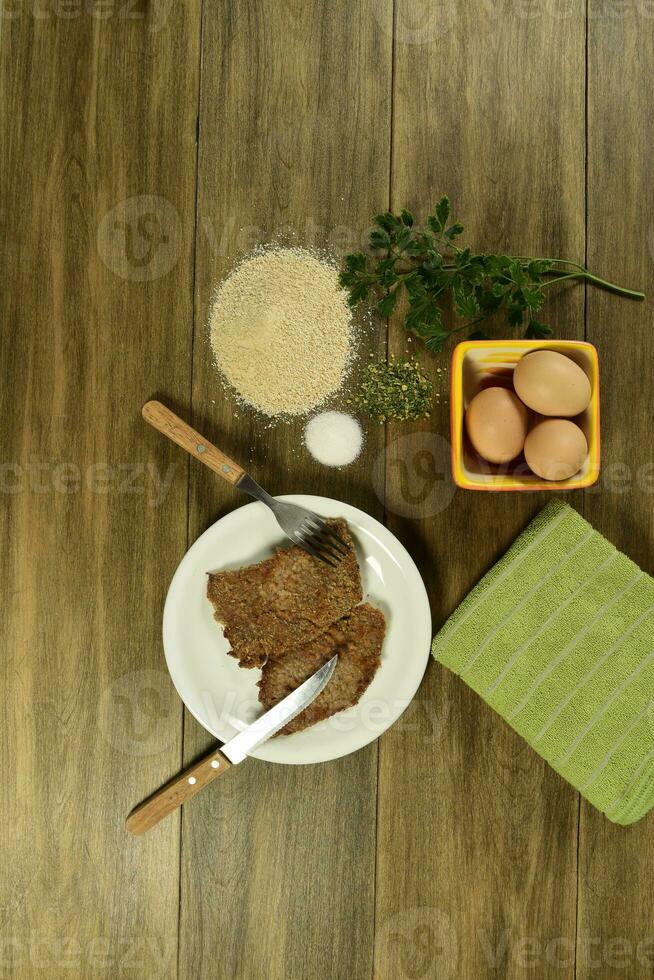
333,438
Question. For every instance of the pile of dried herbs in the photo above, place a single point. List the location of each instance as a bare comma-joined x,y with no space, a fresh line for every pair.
394,391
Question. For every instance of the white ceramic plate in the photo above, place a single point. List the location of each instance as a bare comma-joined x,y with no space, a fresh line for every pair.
223,696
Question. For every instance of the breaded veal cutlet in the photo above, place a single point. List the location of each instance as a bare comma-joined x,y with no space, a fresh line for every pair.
281,603
357,638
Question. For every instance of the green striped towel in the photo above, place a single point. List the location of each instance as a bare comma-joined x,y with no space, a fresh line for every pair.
558,638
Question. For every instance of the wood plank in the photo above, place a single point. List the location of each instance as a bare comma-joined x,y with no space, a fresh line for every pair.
96,111
278,862
616,903
476,836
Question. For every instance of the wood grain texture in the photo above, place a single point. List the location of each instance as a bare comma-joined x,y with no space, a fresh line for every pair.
449,850
616,917
477,837
97,313
278,862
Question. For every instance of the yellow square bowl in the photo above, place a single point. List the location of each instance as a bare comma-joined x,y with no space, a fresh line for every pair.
478,363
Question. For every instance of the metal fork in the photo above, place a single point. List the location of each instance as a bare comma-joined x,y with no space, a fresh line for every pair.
302,526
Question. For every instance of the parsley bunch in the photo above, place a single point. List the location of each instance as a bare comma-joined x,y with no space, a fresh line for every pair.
431,266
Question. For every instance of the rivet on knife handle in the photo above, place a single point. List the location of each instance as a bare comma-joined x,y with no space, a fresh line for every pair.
176,429
179,790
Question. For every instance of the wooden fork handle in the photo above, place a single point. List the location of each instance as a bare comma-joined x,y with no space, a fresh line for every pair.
172,426
179,790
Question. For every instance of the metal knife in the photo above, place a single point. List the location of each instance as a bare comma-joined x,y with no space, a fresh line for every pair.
184,786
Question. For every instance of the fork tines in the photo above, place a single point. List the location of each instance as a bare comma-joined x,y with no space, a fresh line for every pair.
321,541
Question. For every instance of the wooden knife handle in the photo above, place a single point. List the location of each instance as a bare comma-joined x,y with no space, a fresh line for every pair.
172,426
179,790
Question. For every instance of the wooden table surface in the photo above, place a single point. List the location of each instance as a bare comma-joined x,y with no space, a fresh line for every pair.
144,147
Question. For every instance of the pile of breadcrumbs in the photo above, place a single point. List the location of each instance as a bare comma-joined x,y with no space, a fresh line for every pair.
281,331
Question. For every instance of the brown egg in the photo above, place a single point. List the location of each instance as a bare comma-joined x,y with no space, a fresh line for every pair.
551,383
556,449
496,422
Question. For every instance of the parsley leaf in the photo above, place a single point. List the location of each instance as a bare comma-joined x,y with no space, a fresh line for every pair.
386,304
436,273
537,331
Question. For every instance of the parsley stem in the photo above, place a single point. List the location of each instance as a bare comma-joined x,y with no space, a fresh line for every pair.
584,273
560,277
597,281
612,287
471,323
529,258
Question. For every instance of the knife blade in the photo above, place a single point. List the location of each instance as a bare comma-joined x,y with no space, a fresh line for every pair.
239,747
188,783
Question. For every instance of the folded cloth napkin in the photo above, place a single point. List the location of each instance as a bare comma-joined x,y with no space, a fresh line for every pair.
558,638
